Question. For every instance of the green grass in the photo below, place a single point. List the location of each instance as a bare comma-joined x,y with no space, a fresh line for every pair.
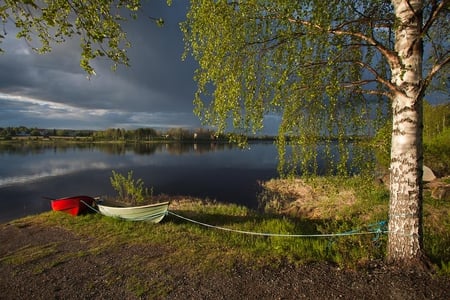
213,247
437,232
29,254
203,248
437,152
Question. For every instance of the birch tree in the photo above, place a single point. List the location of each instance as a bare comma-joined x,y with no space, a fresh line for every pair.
325,67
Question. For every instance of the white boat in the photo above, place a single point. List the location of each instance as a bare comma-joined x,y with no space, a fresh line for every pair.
153,213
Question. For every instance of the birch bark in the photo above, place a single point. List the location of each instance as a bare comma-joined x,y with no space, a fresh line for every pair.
405,207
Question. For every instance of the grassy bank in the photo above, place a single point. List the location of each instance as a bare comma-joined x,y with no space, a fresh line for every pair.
334,208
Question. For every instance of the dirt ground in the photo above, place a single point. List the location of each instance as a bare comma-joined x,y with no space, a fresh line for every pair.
71,270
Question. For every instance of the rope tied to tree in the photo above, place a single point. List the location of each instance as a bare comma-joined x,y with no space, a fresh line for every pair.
376,228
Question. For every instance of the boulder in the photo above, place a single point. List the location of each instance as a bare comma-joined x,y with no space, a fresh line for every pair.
428,174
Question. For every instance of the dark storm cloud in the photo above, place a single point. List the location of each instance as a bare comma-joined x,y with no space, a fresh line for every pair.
53,91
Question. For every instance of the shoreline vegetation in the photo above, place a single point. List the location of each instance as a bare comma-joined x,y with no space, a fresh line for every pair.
276,189
140,135
317,206
177,259
103,257
436,143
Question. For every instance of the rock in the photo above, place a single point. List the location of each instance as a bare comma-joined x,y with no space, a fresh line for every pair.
428,174
441,192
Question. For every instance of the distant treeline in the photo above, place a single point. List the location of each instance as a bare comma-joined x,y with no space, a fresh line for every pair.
436,123
118,134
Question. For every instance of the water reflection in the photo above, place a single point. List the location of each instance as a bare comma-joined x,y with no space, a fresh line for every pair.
175,148
27,162
215,170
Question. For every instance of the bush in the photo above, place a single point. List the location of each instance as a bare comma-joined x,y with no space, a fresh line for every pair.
437,153
128,189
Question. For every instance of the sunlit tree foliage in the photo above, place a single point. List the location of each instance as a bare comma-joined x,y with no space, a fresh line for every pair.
330,70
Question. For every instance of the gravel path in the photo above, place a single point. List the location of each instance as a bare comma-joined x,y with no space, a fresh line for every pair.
69,267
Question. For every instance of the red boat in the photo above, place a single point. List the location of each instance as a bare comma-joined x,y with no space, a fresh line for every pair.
73,205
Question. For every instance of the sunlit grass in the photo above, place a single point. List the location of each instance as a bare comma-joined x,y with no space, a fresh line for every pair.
29,254
437,232
192,243
202,248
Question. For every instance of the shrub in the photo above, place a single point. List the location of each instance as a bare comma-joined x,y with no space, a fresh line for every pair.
129,190
437,153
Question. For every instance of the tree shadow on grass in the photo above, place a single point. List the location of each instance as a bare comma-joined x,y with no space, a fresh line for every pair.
262,223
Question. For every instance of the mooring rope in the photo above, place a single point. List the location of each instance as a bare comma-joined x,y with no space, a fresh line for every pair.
90,206
377,228
378,231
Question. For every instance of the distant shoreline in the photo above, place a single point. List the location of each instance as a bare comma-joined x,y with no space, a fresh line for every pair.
90,140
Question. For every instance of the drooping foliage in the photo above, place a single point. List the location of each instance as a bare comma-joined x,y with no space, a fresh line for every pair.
329,69
98,23
321,66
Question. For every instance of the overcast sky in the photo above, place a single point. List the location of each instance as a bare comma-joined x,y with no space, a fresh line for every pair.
52,91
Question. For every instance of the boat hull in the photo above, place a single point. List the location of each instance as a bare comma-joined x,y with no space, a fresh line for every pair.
74,205
153,213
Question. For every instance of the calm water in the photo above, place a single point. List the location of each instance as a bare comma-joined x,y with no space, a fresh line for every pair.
217,171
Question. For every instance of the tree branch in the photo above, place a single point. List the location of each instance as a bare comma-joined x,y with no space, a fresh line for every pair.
435,11
436,68
390,55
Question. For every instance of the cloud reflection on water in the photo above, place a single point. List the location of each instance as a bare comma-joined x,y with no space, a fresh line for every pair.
215,171
53,171
32,164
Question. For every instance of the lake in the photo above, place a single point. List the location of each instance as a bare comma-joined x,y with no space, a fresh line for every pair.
218,171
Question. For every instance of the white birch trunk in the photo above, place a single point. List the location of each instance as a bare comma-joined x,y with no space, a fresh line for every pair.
405,208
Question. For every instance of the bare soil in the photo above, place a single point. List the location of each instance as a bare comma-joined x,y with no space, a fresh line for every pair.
71,270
